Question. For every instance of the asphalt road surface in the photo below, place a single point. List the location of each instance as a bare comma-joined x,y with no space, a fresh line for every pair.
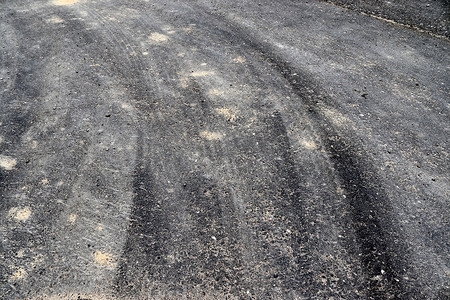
220,149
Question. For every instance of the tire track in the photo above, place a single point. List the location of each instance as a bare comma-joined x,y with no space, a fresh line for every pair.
369,204
223,202
272,267
50,231
180,258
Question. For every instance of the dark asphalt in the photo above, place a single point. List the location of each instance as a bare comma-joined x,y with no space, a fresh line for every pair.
432,16
224,149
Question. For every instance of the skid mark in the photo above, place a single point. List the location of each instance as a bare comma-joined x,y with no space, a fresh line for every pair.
148,232
7,162
369,205
212,243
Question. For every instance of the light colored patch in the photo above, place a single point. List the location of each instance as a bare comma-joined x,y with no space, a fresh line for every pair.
64,2
20,214
308,144
145,53
104,259
126,106
20,253
202,73
181,54
19,274
336,117
158,37
184,82
7,162
55,20
1,139
60,183
99,227
171,259
211,136
215,92
44,181
227,113
34,144
239,60
72,218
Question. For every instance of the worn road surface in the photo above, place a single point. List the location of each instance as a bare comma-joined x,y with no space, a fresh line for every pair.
224,149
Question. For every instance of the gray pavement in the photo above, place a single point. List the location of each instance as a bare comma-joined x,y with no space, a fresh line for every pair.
223,150
432,16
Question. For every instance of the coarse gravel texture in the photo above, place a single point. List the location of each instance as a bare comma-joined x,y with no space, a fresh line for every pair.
223,150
